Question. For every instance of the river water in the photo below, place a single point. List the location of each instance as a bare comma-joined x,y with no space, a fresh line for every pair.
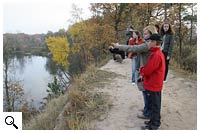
34,74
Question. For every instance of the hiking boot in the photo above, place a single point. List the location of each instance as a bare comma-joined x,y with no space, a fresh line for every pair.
141,116
149,128
145,128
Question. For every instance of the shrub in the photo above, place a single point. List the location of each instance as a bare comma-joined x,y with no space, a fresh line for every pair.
188,59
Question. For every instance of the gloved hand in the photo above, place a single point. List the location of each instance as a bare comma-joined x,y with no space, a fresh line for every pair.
110,47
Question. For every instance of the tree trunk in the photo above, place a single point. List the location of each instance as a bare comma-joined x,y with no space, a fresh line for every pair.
191,29
116,30
148,14
165,7
13,104
6,87
84,55
180,35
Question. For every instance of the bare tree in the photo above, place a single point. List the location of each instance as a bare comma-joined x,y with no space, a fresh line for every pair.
76,14
6,59
180,35
13,89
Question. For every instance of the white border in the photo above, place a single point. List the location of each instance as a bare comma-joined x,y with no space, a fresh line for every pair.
17,116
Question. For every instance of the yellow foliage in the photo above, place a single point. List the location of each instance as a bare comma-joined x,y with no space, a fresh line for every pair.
77,32
90,36
59,47
75,48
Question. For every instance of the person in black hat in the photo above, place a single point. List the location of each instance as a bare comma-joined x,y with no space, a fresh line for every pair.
153,75
155,37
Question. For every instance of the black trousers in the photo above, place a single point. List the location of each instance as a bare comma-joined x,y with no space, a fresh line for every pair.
155,104
166,65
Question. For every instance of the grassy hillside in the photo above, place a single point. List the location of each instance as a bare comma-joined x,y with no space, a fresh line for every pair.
84,103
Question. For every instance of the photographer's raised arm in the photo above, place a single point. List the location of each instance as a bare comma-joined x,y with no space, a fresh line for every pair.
133,48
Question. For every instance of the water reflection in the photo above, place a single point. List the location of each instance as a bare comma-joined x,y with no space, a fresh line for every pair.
51,66
35,72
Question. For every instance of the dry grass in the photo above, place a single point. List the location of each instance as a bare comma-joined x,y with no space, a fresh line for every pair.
85,103
178,71
46,119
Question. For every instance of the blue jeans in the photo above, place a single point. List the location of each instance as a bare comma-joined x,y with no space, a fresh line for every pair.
133,68
147,100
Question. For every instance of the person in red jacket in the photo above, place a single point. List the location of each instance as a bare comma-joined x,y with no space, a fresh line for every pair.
135,40
153,75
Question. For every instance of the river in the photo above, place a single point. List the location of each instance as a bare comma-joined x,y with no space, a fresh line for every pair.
34,74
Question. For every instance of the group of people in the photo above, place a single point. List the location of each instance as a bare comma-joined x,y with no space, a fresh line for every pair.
150,59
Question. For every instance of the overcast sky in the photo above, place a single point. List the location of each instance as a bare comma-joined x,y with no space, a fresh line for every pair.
32,18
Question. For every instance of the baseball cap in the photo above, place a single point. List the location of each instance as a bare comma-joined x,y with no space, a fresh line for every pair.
155,37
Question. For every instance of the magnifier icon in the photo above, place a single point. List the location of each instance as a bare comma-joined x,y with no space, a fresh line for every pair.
9,120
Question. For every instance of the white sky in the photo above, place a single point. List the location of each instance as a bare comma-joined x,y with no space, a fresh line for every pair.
40,16
32,18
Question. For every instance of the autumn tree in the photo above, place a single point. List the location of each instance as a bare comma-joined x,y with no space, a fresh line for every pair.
59,48
16,95
93,38
119,15
114,14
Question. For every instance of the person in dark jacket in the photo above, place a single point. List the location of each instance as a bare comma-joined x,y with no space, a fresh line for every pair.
167,34
129,34
153,75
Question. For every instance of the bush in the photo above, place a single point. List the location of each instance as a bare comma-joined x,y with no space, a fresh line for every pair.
188,59
54,89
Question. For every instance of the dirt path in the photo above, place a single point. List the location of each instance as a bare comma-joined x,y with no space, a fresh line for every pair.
179,102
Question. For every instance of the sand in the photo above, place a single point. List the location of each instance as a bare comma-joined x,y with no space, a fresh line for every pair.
178,108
